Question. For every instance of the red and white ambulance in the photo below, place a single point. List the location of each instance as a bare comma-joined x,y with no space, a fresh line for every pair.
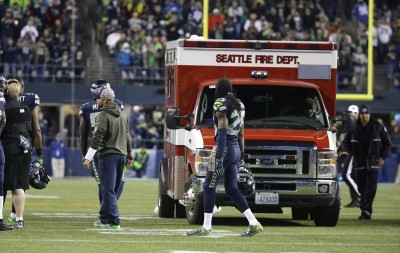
292,156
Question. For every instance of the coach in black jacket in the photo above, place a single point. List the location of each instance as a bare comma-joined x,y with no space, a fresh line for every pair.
369,145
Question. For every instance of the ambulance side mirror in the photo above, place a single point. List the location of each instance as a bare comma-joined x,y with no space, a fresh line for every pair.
173,119
345,122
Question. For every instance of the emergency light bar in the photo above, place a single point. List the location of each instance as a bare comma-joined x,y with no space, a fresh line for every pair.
259,74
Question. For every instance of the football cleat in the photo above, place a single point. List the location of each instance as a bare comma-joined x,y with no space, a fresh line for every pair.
252,230
100,225
201,232
11,221
19,224
4,227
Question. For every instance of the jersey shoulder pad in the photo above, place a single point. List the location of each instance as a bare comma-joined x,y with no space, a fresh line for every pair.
83,108
84,105
220,105
37,99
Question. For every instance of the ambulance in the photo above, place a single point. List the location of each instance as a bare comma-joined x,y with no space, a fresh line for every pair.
291,154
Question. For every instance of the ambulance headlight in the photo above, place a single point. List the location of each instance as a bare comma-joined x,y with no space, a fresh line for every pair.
326,164
202,157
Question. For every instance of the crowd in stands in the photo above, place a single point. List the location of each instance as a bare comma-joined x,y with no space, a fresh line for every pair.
147,126
39,42
135,32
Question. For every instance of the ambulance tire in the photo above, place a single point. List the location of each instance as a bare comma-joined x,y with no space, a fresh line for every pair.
166,204
327,216
180,210
195,208
299,213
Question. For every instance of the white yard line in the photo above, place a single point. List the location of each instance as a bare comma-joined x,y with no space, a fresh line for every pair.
259,242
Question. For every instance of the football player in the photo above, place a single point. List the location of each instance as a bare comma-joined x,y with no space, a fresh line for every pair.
228,117
3,81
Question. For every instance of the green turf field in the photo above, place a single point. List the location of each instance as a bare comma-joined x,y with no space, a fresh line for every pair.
60,219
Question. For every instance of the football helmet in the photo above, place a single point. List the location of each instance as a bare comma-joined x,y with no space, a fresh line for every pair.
38,177
97,87
245,181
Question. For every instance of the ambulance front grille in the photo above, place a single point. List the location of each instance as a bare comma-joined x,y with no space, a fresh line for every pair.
283,159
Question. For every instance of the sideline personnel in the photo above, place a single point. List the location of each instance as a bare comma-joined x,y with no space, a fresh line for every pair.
31,100
369,145
229,140
112,142
17,145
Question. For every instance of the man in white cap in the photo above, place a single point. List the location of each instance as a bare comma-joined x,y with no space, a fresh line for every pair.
112,142
348,175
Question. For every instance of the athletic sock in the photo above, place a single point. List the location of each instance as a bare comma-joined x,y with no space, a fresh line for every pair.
207,220
250,217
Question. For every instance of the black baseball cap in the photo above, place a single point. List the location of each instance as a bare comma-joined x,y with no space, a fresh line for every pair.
364,109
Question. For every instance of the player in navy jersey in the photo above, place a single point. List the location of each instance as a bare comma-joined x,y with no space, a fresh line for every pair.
3,81
88,112
229,139
31,100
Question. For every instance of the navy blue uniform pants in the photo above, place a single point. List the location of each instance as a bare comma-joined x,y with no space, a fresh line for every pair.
111,169
230,162
96,176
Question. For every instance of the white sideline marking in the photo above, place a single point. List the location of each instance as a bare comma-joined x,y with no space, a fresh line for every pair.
41,196
164,232
83,215
259,242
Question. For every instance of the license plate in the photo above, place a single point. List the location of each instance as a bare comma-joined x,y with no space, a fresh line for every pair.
267,198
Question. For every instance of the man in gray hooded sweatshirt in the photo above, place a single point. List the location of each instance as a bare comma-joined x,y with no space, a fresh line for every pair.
112,142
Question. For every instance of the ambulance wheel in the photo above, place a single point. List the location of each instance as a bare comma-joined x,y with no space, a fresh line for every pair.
166,204
195,207
327,216
180,210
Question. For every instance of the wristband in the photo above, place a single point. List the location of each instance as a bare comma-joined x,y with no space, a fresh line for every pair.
39,152
221,142
89,155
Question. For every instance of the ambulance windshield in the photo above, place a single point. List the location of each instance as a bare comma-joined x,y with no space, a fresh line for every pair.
271,106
